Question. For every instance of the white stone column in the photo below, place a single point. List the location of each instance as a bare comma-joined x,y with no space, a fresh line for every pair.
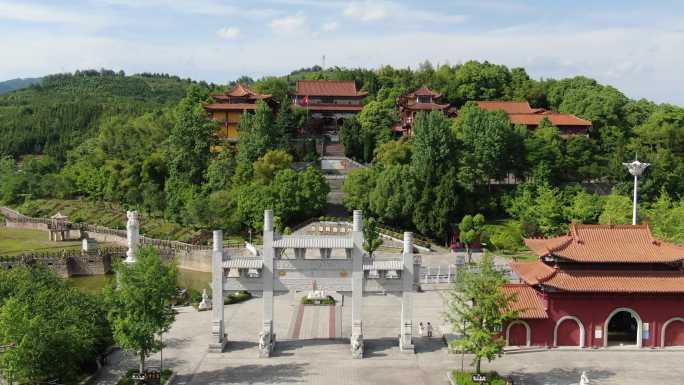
266,336
406,336
218,334
357,286
132,236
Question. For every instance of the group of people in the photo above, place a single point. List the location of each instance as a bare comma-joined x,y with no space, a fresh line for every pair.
422,328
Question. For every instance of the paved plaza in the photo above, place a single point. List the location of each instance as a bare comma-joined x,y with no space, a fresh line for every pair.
313,357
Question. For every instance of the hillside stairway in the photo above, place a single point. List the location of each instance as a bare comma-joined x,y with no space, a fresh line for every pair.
335,168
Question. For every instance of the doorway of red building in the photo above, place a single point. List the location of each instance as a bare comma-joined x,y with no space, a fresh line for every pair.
623,328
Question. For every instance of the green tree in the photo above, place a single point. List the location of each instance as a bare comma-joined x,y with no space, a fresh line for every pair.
539,208
543,149
376,120
583,208
470,230
433,145
43,318
286,124
357,187
191,138
350,136
393,152
617,210
139,307
256,138
478,309
266,167
371,236
392,197
488,145
667,218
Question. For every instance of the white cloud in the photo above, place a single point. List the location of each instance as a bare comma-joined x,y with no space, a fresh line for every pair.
200,7
330,26
38,13
369,10
228,33
289,24
382,10
642,62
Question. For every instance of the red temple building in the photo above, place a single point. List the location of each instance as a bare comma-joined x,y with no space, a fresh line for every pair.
522,113
408,105
329,103
599,286
229,106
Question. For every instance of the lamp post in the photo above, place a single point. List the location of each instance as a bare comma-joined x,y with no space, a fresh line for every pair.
636,168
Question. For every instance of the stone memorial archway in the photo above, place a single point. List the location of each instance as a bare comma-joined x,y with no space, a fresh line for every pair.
354,272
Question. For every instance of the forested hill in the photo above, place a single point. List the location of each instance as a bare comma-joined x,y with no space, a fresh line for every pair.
55,115
17,84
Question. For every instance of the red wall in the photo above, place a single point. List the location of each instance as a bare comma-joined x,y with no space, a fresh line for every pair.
592,311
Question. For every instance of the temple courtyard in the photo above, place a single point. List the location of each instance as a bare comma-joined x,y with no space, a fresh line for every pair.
309,351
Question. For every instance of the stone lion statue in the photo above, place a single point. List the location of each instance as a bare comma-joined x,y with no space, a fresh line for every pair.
264,340
356,343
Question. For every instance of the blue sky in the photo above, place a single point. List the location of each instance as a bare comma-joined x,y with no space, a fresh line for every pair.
637,46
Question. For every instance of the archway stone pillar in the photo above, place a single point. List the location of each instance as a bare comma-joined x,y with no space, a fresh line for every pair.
356,339
267,338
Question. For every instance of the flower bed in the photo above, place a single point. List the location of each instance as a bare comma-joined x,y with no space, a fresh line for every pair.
240,296
128,378
466,378
327,301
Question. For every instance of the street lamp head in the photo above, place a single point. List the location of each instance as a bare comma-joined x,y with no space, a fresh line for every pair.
636,168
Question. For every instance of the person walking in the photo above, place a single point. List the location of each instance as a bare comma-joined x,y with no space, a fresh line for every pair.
429,330
421,329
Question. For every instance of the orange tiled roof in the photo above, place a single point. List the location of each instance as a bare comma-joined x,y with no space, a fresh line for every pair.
533,273
600,281
425,106
520,112
328,88
241,91
555,119
230,106
510,107
608,244
527,301
424,91
333,107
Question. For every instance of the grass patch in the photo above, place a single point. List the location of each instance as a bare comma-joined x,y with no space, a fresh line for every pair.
17,241
466,378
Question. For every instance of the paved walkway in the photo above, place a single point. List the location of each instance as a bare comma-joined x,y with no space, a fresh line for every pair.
328,361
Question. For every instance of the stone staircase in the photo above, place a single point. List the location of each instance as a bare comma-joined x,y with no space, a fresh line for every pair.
334,149
335,169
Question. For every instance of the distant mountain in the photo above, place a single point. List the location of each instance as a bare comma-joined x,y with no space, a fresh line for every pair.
17,84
